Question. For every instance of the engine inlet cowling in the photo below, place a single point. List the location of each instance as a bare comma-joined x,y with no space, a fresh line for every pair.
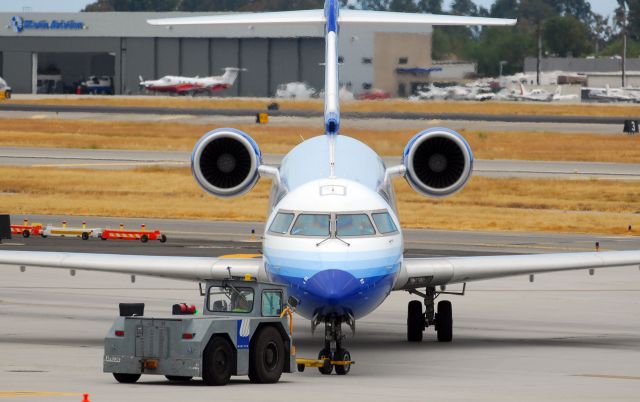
438,162
225,162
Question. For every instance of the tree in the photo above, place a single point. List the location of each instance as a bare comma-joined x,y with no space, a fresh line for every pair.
430,6
464,7
505,9
566,36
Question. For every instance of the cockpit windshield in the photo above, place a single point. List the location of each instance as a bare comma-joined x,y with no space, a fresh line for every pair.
384,222
360,224
281,223
311,225
348,225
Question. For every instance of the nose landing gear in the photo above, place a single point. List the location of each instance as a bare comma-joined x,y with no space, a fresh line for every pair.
333,355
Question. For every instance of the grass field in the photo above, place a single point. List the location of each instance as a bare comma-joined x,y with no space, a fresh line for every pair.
280,140
606,207
396,105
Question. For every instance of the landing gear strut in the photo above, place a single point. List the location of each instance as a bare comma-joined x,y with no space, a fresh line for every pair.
418,321
333,351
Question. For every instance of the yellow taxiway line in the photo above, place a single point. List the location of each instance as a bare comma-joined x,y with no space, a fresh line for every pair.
28,394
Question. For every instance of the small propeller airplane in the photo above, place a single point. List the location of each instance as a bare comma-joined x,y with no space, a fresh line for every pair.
332,232
192,85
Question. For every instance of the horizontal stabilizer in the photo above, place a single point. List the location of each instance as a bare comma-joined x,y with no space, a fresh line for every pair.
346,16
384,17
282,17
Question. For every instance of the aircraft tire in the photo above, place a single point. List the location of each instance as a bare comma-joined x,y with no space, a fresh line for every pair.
327,369
415,321
126,378
266,357
342,355
444,321
218,362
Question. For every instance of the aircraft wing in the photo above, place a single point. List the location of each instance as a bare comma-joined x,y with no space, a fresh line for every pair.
184,268
318,17
422,272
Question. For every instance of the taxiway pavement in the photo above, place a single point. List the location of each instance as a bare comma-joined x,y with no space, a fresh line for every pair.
565,337
373,124
127,159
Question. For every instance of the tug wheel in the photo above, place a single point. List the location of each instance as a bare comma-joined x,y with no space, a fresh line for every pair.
126,378
26,234
266,357
85,236
218,362
144,238
163,239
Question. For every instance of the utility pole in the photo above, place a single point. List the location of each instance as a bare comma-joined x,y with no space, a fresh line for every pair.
539,60
624,47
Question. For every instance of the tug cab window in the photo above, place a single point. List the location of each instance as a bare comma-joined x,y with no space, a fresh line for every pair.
384,222
230,299
281,223
348,225
271,303
311,225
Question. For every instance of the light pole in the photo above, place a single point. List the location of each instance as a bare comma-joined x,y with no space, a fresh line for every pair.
502,64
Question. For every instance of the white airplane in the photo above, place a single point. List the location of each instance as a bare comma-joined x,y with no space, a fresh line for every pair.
559,97
608,95
192,85
536,95
333,232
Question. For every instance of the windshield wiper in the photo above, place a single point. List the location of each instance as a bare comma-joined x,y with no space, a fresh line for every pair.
328,238
348,244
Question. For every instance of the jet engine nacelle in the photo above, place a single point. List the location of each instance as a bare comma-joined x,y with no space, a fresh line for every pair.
225,162
438,162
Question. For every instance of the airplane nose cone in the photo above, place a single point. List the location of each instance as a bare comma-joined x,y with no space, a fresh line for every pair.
332,285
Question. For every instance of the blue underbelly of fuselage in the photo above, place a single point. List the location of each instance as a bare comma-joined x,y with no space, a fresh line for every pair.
336,292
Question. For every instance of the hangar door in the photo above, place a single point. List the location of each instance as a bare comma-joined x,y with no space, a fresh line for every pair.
63,72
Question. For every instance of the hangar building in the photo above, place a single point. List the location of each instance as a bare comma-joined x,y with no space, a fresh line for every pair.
49,52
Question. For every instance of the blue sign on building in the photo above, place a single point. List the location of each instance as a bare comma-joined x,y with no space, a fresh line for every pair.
20,24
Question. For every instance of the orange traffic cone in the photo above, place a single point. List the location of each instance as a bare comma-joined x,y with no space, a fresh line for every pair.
85,398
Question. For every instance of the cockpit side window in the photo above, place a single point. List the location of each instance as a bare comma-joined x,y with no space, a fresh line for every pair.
281,223
384,222
311,225
354,225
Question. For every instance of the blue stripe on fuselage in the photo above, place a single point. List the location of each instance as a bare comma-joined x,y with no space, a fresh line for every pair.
326,285
336,292
331,11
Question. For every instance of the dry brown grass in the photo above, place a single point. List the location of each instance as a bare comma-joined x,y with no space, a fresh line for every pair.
395,105
606,207
274,139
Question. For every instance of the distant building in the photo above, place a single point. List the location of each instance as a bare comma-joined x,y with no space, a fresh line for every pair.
51,51
600,72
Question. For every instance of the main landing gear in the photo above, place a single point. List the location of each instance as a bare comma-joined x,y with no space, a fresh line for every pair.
418,321
333,354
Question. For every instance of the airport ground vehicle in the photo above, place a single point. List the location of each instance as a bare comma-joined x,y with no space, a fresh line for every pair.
243,329
5,90
26,230
142,235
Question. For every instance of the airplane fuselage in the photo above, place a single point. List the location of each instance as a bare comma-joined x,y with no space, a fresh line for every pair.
346,259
